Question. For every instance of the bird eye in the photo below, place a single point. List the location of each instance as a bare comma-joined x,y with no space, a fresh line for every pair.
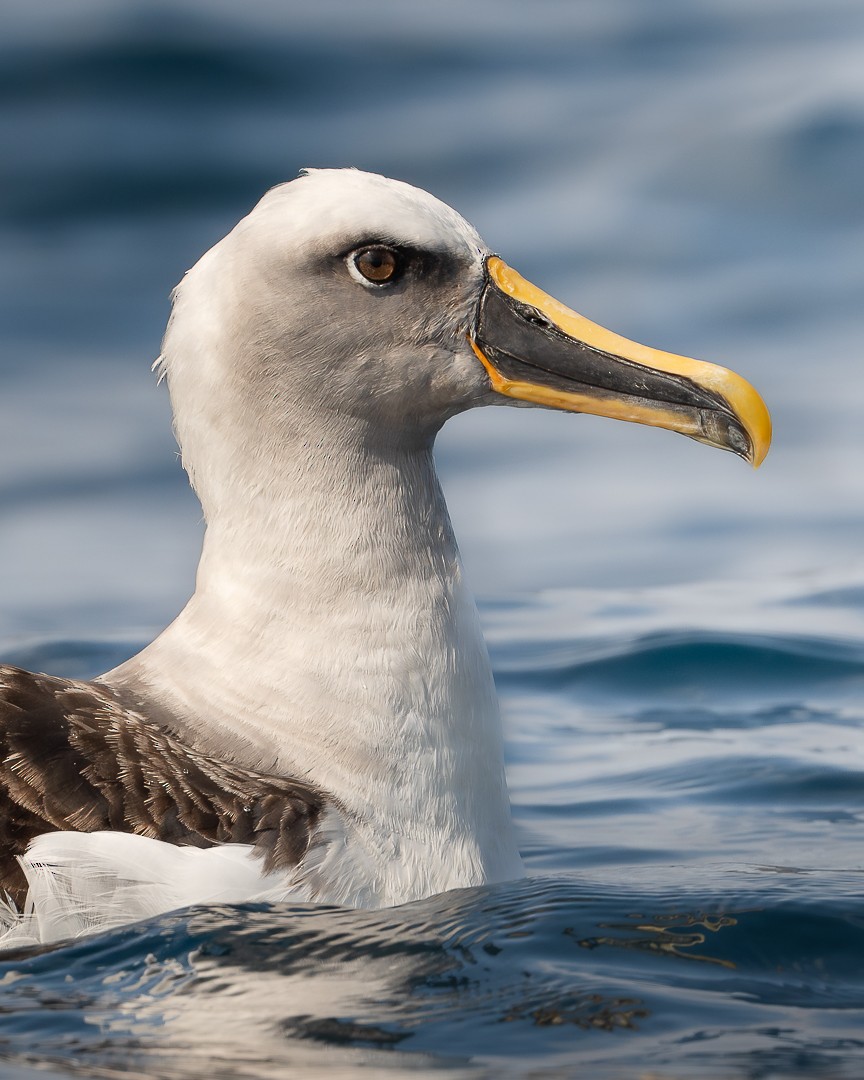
377,264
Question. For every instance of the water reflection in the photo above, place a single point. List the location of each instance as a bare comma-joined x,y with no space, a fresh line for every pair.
668,934
458,983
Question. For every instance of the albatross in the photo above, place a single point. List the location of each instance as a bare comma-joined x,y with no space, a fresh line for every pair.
320,722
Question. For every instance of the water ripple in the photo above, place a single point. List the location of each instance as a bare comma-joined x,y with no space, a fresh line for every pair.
571,967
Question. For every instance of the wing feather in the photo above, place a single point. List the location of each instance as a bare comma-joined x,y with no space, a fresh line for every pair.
72,757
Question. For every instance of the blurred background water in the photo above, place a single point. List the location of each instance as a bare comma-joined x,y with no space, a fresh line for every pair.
678,641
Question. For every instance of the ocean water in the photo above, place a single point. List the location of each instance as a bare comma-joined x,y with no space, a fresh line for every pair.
678,641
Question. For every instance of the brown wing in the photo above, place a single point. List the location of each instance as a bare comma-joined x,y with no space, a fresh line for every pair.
71,757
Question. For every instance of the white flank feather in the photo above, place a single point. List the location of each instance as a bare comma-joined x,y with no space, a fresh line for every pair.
84,883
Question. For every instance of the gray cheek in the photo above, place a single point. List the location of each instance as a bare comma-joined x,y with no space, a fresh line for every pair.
469,379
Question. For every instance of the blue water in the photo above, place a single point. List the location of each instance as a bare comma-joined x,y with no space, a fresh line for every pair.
678,641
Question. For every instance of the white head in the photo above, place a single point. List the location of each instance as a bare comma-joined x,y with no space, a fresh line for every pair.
276,334
350,309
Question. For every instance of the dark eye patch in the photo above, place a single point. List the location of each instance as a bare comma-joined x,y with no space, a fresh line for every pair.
385,262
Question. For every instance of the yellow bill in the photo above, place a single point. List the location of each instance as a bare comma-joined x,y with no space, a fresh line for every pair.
536,349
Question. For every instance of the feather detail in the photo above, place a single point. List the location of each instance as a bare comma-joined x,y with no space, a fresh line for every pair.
85,883
73,758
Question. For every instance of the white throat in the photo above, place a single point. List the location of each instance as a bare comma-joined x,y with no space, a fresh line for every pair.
331,637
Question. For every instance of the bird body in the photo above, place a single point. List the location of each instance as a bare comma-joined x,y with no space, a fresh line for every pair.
331,655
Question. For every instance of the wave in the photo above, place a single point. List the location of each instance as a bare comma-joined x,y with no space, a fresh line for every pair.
606,974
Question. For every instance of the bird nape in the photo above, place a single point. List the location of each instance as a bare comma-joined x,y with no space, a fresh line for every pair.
319,722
